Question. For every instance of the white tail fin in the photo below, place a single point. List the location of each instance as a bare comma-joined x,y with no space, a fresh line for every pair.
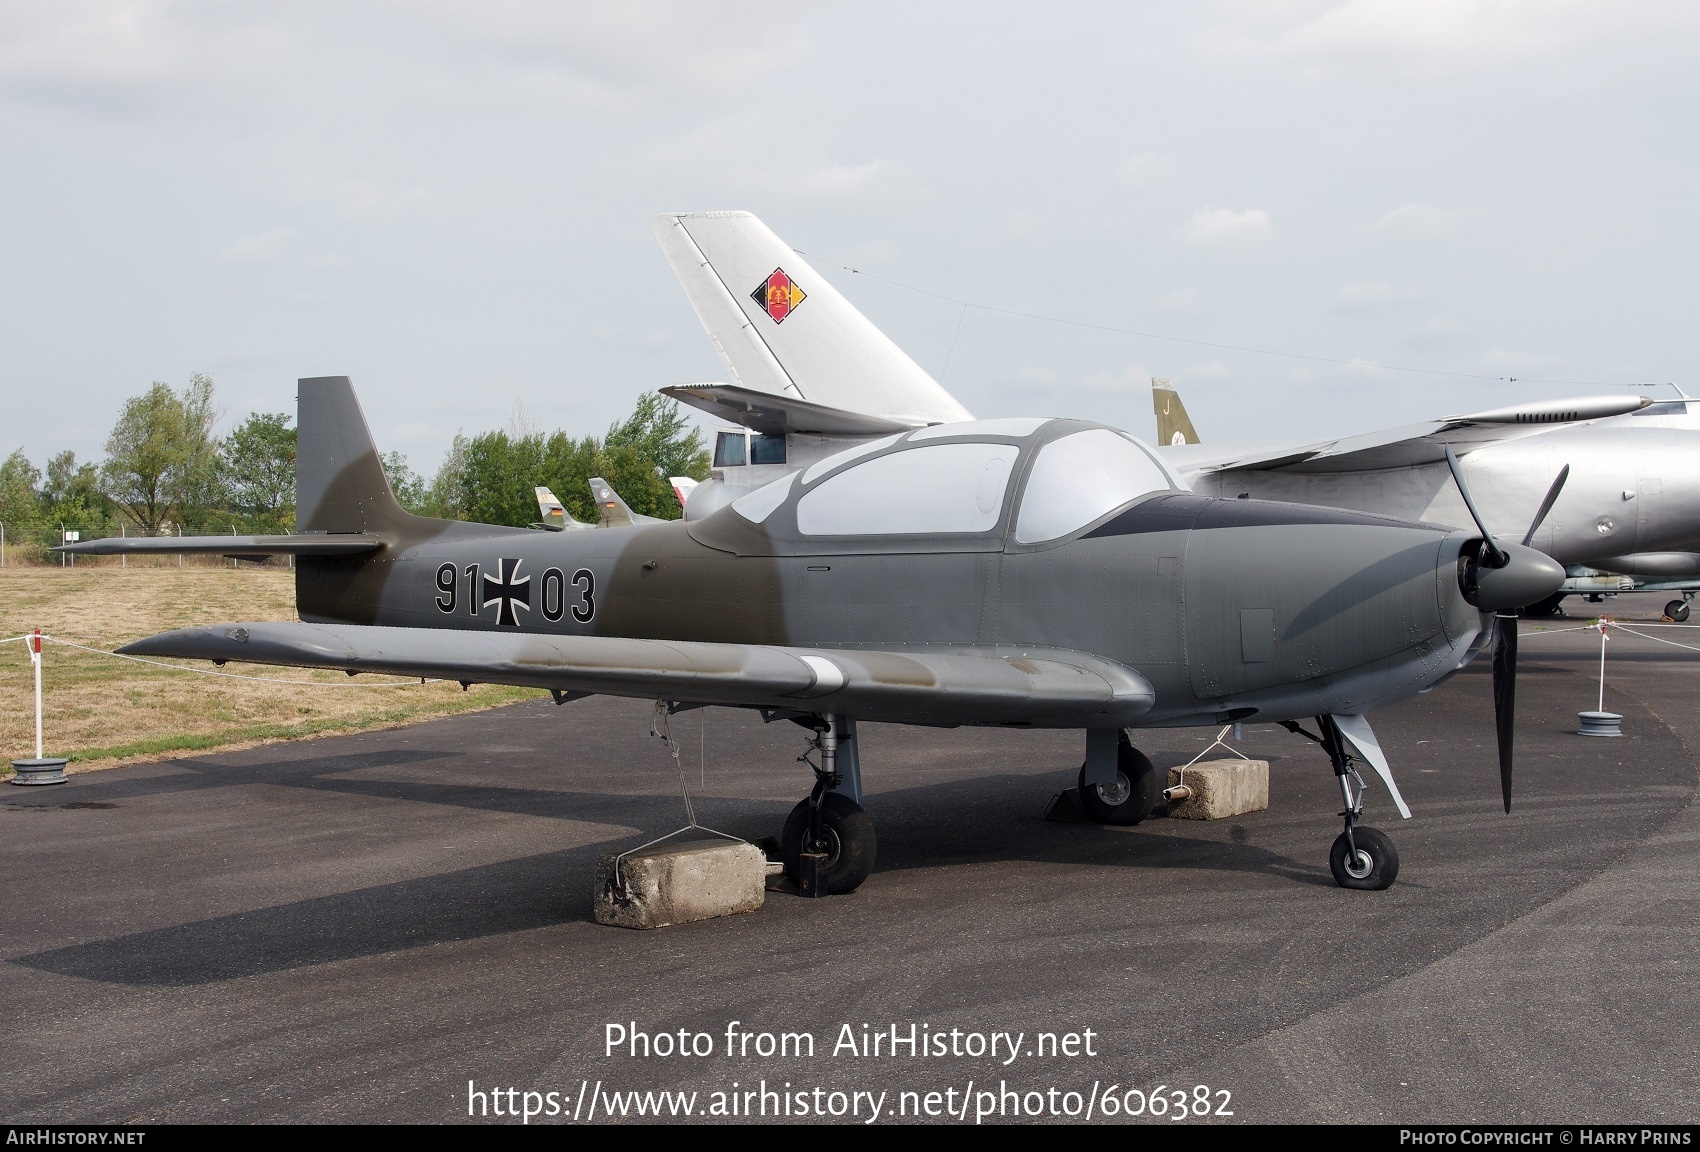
781,328
682,486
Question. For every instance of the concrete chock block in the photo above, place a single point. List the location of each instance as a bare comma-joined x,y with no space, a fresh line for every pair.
678,883
1221,788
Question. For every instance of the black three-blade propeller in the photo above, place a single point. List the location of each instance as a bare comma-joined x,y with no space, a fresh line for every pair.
1501,579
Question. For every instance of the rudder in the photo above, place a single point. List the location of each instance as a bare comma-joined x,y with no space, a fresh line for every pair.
340,484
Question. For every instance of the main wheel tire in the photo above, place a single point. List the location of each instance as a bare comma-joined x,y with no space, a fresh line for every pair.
847,840
1376,865
1677,610
1131,798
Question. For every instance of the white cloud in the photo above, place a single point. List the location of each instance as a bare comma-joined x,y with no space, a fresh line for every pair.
1224,225
1143,168
1135,377
1430,38
612,51
1425,219
1371,293
1179,300
262,248
840,180
121,53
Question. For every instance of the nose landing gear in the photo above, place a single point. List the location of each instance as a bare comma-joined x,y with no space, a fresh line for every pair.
1361,857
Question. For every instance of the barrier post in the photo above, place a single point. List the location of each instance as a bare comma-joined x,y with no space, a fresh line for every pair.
43,769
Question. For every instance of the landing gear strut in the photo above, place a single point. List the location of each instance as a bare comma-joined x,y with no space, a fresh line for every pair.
1361,857
830,826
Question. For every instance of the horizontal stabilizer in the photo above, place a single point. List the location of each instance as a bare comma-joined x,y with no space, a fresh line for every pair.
773,415
1050,688
308,544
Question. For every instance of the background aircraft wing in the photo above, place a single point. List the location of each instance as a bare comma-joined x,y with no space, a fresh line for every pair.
1046,687
1423,443
783,329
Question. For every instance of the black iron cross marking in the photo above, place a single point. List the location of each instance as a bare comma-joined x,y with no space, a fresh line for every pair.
508,591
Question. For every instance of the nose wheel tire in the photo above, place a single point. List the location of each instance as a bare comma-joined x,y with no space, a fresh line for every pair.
846,840
1677,610
1131,798
1374,866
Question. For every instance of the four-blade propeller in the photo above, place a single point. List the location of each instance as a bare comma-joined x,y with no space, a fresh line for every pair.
1501,579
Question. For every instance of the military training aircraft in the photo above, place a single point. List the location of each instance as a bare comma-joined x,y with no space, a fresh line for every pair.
1051,573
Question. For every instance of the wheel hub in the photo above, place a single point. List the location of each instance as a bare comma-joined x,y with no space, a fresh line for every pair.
1115,794
1359,864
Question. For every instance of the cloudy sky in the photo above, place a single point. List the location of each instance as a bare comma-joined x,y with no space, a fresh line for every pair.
450,201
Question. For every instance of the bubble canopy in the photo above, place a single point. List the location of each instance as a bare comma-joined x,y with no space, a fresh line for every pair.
957,480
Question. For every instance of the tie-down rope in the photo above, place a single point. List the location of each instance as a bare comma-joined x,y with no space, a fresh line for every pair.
661,725
1221,741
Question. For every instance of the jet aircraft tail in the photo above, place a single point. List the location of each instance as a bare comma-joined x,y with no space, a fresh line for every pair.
783,329
1174,426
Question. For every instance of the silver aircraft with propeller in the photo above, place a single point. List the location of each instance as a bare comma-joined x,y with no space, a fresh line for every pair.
1022,573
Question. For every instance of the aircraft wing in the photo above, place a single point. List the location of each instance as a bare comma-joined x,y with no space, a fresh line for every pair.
1423,443
1043,687
304,544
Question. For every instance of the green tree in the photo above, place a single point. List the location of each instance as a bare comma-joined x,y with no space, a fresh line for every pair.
409,486
162,461
498,478
657,434
443,497
20,496
71,493
258,460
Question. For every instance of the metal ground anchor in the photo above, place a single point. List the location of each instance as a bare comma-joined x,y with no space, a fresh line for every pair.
40,770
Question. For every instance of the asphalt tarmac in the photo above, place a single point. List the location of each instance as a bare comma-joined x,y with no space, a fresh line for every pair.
353,928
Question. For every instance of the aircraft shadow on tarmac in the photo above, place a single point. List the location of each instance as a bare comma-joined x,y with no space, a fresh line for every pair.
963,821
995,818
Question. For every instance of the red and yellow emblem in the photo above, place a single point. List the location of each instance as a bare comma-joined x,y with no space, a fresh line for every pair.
778,295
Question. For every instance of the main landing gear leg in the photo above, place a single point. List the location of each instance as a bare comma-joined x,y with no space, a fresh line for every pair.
830,827
1362,857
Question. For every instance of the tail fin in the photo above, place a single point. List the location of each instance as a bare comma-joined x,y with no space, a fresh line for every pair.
782,329
340,484
554,514
611,511
1174,426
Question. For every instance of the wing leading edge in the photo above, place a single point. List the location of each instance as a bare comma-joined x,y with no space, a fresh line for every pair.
1037,687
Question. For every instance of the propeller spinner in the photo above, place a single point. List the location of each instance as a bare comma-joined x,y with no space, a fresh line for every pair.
1500,579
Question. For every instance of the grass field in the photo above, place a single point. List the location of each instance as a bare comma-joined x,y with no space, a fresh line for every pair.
100,710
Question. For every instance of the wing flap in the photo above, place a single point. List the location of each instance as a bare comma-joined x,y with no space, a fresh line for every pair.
1042,688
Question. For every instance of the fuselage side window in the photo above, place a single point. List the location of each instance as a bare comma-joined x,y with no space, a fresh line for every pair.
1081,477
767,450
942,488
729,450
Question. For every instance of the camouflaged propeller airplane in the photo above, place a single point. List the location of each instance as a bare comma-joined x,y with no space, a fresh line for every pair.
1027,573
